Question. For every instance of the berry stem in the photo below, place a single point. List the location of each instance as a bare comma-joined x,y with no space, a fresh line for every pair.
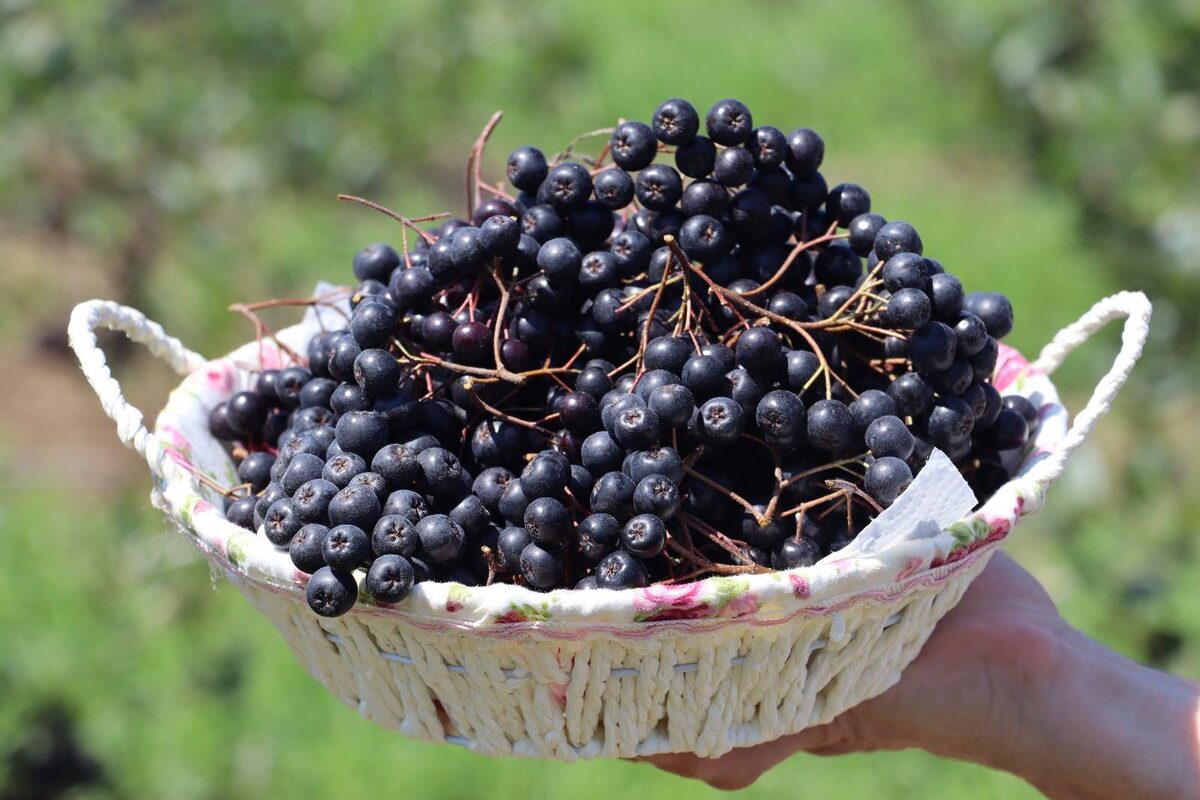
645,340
524,423
799,476
852,491
799,327
811,504
829,236
732,495
566,152
328,300
261,328
717,290
773,503
475,162
403,220
636,298
724,542
867,285
505,295
495,190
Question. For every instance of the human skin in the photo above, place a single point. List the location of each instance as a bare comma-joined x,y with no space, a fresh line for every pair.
1005,682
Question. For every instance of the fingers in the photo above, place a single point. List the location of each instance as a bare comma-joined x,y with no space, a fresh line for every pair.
728,773
740,768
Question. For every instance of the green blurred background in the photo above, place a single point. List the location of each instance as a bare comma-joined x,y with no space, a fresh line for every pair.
181,156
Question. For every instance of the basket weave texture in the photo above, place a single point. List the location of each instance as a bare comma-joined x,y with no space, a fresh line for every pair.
702,667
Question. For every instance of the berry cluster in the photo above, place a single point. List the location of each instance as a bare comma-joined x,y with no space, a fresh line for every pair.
627,372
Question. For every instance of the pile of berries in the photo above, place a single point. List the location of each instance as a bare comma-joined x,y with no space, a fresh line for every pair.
625,372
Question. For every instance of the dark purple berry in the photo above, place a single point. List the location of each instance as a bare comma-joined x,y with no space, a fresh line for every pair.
331,593
281,522
620,570
390,578
886,478
729,122
632,146
307,549
241,512
442,539
675,121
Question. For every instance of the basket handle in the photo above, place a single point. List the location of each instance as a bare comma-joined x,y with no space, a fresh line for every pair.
1135,308
81,332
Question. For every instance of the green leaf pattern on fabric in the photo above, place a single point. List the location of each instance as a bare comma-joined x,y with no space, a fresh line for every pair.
967,531
726,589
457,597
523,612
237,547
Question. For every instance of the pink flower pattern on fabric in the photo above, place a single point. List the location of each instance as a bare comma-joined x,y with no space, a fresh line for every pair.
269,356
659,602
178,457
1010,365
741,605
220,377
658,595
912,565
174,437
176,445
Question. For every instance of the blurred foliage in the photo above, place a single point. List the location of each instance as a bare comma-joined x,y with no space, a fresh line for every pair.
1106,98
181,156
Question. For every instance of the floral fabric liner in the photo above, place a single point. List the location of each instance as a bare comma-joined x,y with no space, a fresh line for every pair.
182,427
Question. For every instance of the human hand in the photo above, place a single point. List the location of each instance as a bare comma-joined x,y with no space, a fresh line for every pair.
1004,681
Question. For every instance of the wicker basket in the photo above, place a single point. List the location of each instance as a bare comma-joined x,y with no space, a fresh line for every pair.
702,668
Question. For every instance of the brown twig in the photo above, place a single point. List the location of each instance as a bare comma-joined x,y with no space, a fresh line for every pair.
261,328
635,298
732,495
645,341
865,286
399,217
810,504
800,247
716,289
492,565
503,307
799,327
853,491
326,299
496,190
524,423
475,162
571,144
773,503
799,476
403,220
721,540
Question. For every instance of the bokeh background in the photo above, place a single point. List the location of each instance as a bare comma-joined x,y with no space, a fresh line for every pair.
182,156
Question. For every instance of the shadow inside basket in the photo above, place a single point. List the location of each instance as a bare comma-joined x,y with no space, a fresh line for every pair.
182,427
